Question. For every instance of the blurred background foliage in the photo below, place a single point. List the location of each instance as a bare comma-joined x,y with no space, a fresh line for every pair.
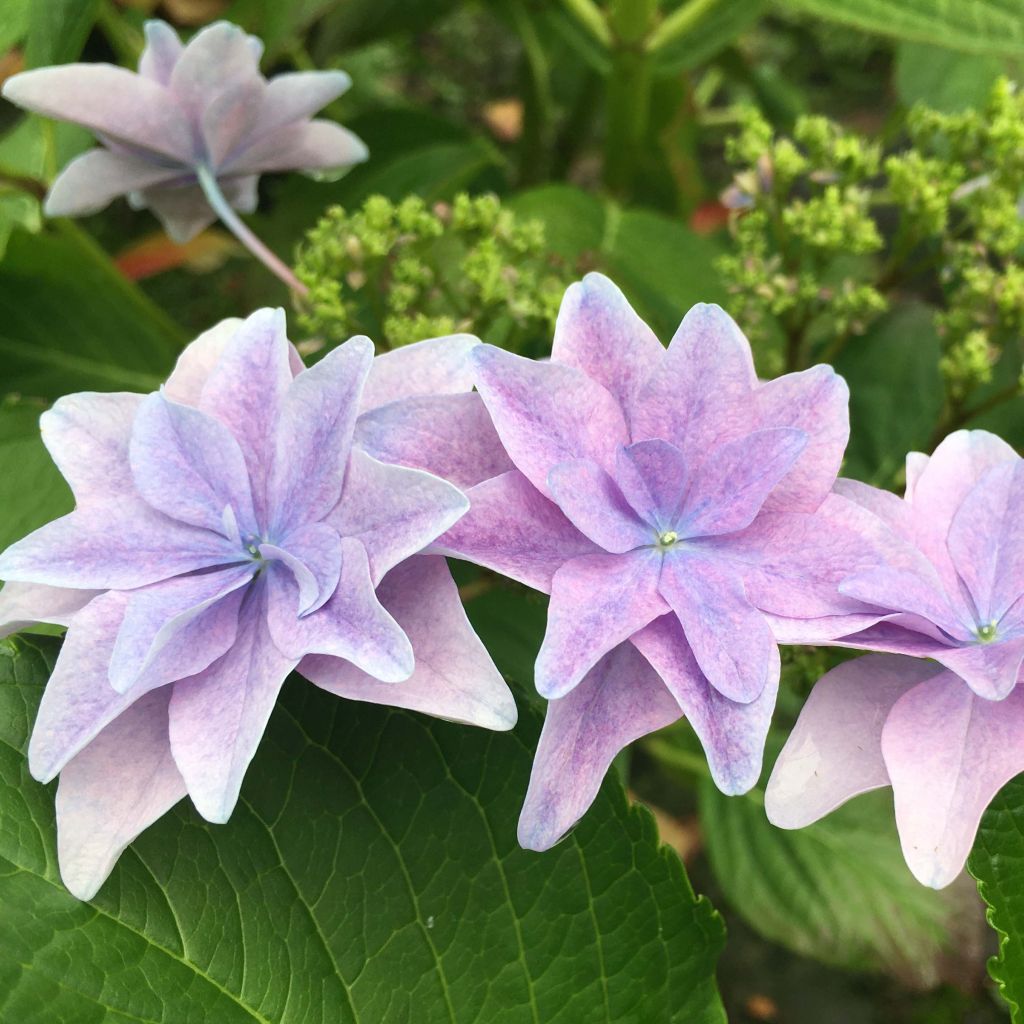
845,176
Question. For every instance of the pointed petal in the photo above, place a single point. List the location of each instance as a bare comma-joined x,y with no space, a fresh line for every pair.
183,210
394,512
437,366
92,180
653,477
450,436
948,752
834,752
314,436
161,53
25,604
620,699
297,95
109,101
547,413
513,529
352,624
112,790
215,60
594,504
599,332
189,466
218,716
307,146
313,554
196,363
888,507
915,466
597,602
454,677
733,735
87,434
729,638
733,482
990,670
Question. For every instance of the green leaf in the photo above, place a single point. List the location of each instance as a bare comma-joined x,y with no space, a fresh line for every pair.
17,210
58,29
943,79
898,356
32,491
838,890
705,37
970,26
997,862
70,322
14,15
370,873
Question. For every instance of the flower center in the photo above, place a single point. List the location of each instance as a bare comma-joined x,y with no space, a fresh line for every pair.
252,546
667,539
987,633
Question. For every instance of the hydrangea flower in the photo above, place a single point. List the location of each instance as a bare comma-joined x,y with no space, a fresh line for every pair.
227,530
189,134
678,511
945,736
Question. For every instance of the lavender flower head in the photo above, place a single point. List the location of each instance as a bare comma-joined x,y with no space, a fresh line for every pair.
948,732
227,530
678,511
193,116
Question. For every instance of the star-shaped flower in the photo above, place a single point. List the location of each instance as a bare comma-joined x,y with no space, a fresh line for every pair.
227,530
201,109
669,502
945,736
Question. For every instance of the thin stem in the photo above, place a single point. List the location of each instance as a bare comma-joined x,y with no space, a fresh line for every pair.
680,22
211,189
628,117
590,16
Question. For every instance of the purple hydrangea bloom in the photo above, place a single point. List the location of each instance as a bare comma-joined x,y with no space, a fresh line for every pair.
198,108
945,736
228,529
674,507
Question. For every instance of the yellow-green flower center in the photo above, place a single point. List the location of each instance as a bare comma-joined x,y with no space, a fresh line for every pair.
667,539
987,633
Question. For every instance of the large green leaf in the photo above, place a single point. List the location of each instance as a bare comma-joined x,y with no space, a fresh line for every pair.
997,862
971,26
838,891
58,29
370,873
70,322
944,79
705,36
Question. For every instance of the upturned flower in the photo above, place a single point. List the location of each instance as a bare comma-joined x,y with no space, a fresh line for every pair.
945,736
190,133
674,507
227,530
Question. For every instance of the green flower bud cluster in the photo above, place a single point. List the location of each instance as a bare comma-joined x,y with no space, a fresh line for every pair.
401,272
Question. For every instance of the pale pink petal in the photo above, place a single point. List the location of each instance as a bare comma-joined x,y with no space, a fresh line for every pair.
183,210
437,366
161,53
309,145
92,180
25,604
991,670
196,363
313,555
653,476
296,95
890,508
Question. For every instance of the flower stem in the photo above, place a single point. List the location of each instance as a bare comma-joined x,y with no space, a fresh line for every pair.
235,224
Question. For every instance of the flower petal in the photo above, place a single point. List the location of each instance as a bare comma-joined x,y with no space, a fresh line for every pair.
653,476
597,602
25,604
437,366
948,752
454,677
297,95
513,529
161,53
990,670
888,507
729,637
183,210
547,413
449,435
93,179
313,554
112,790
835,749
309,145
619,700
196,362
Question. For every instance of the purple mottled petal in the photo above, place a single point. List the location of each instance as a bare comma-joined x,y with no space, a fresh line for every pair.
653,477
163,48
113,789
156,615
189,466
196,363
948,752
449,435
454,677
899,634
594,504
87,434
217,717
297,95
990,670
986,541
313,554
393,511
547,413
733,734
309,145
314,435
108,100
835,749
437,366
599,332
513,529
729,637
120,544
888,507
246,389
597,602
25,604
815,401
731,484
353,624
93,179
620,699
